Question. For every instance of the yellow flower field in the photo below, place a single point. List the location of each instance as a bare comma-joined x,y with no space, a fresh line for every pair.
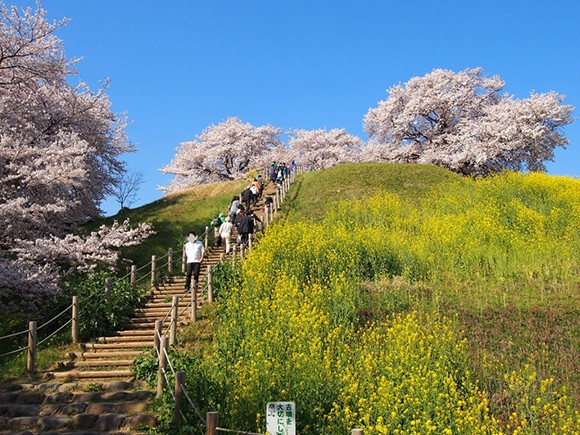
293,328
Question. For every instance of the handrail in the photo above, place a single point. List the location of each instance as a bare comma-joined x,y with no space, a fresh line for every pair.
59,329
14,351
64,311
13,335
55,317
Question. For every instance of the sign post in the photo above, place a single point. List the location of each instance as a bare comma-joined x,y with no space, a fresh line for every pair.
281,418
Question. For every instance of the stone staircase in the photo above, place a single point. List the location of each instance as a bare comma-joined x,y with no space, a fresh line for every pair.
64,408
92,390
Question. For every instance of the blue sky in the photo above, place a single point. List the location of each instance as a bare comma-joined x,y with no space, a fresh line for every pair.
177,66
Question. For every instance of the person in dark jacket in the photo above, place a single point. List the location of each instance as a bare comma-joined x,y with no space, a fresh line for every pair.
247,197
246,227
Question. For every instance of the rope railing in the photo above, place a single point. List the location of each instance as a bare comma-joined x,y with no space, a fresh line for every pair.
55,317
221,429
12,352
14,335
33,341
54,332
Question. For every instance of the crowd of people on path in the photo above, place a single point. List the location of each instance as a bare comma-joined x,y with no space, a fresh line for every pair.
240,216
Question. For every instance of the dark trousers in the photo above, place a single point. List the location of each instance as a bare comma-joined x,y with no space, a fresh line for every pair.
192,269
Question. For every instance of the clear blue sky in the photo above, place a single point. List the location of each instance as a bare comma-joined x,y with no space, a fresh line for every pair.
177,66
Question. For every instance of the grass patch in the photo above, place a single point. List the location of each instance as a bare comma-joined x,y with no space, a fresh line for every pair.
174,216
315,192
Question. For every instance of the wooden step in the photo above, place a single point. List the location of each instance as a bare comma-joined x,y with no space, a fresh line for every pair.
103,354
101,362
92,374
133,345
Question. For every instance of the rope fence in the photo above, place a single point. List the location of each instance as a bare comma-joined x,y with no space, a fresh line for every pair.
165,261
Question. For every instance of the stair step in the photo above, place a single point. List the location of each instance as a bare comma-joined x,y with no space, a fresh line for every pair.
132,345
100,363
92,374
126,339
102,354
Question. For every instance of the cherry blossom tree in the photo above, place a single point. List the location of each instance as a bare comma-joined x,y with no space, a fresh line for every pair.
60,148
319,149
461,121
223,152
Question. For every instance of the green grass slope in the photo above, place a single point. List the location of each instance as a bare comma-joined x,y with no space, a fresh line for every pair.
315,192
173,216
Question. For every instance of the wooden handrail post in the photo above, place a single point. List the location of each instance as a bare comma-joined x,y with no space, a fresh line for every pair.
75,319
133,275
31,360
222,256
153,269
170,261
234,254
209,284
211,422
162,364
179,381
174,314
206,237
108,286
157,339
193,311
183,260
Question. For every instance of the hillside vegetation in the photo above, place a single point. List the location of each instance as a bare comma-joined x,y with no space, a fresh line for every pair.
404,299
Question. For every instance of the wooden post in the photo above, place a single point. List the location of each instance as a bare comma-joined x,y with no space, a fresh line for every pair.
222,256
211,422
193,310
179,381
170,261
242,249
31,362
156,339
173,326
209,284
153,269
234,254
206,237
183,260
357,432
108,285
162,364
133,275
75,319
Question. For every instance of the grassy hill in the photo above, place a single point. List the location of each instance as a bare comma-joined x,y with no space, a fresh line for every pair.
448,301
174,216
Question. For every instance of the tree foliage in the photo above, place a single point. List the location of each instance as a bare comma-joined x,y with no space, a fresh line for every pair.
461,121
60,148
227,151
319,149
223,152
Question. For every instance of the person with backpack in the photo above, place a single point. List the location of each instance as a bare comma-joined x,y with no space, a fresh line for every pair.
247,197
215,224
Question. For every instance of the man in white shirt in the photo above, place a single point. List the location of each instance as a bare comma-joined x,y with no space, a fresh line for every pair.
194,251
